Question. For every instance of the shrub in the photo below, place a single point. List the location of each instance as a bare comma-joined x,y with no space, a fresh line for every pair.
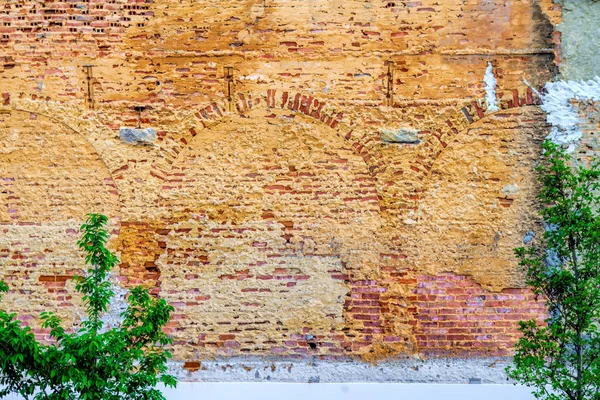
97,361
561,358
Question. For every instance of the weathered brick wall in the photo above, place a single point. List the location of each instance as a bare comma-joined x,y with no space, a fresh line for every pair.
274,218
457,318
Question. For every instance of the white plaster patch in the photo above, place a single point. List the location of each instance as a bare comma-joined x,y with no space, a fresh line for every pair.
490,88
510,190
561,114
255,78
118,305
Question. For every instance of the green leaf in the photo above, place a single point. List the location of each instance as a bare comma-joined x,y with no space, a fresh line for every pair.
564,267
127,359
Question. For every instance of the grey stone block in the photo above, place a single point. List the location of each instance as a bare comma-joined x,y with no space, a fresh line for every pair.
401,135
138,136
528,237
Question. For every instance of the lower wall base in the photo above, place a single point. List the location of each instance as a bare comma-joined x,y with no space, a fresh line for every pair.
459,379
480,370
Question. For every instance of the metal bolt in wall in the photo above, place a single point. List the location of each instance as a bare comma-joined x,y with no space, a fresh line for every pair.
389,84
228,70
89,77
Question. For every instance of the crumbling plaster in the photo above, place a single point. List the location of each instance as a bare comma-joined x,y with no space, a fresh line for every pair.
275,218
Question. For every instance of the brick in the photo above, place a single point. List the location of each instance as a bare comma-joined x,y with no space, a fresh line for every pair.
231,213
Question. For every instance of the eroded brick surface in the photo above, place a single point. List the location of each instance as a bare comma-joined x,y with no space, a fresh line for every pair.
268,211
456,317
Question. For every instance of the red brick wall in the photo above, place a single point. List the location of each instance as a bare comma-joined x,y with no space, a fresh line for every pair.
279,213
456,317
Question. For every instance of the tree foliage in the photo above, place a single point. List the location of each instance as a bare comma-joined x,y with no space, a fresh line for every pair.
96,361
561,358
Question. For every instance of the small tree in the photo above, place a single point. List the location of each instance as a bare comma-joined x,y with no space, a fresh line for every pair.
96,362
561,358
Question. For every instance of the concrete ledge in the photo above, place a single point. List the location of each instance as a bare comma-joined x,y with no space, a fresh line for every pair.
411,370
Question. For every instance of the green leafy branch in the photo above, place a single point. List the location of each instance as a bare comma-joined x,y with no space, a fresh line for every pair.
125,362
560,359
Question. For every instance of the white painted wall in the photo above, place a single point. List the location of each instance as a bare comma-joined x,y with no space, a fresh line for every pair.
344,391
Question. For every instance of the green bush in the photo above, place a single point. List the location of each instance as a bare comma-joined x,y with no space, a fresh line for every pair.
561,358
96,362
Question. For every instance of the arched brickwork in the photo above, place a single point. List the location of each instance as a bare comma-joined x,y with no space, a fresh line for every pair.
479,199
477,204
300,174
54,150
317,65
380,299
363,141
440,138
74,117
50,178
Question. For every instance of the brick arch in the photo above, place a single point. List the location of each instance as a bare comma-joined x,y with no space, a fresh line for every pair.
466,229
468,225
49,182
190,242
84,124
70,124
362,141
459,122
342,146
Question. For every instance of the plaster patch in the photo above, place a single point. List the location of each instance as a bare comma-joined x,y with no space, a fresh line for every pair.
11,143
510,190
260,78
579,29
490,88
118,304
560,113
112,318
223,294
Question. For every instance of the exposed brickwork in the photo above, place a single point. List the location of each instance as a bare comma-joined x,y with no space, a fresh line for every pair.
456,317
246,209
268,212
70,27
589,117
443,136
475,210
139,252
298,103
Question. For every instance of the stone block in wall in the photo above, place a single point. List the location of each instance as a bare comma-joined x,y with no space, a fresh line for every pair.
138,136
401,135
